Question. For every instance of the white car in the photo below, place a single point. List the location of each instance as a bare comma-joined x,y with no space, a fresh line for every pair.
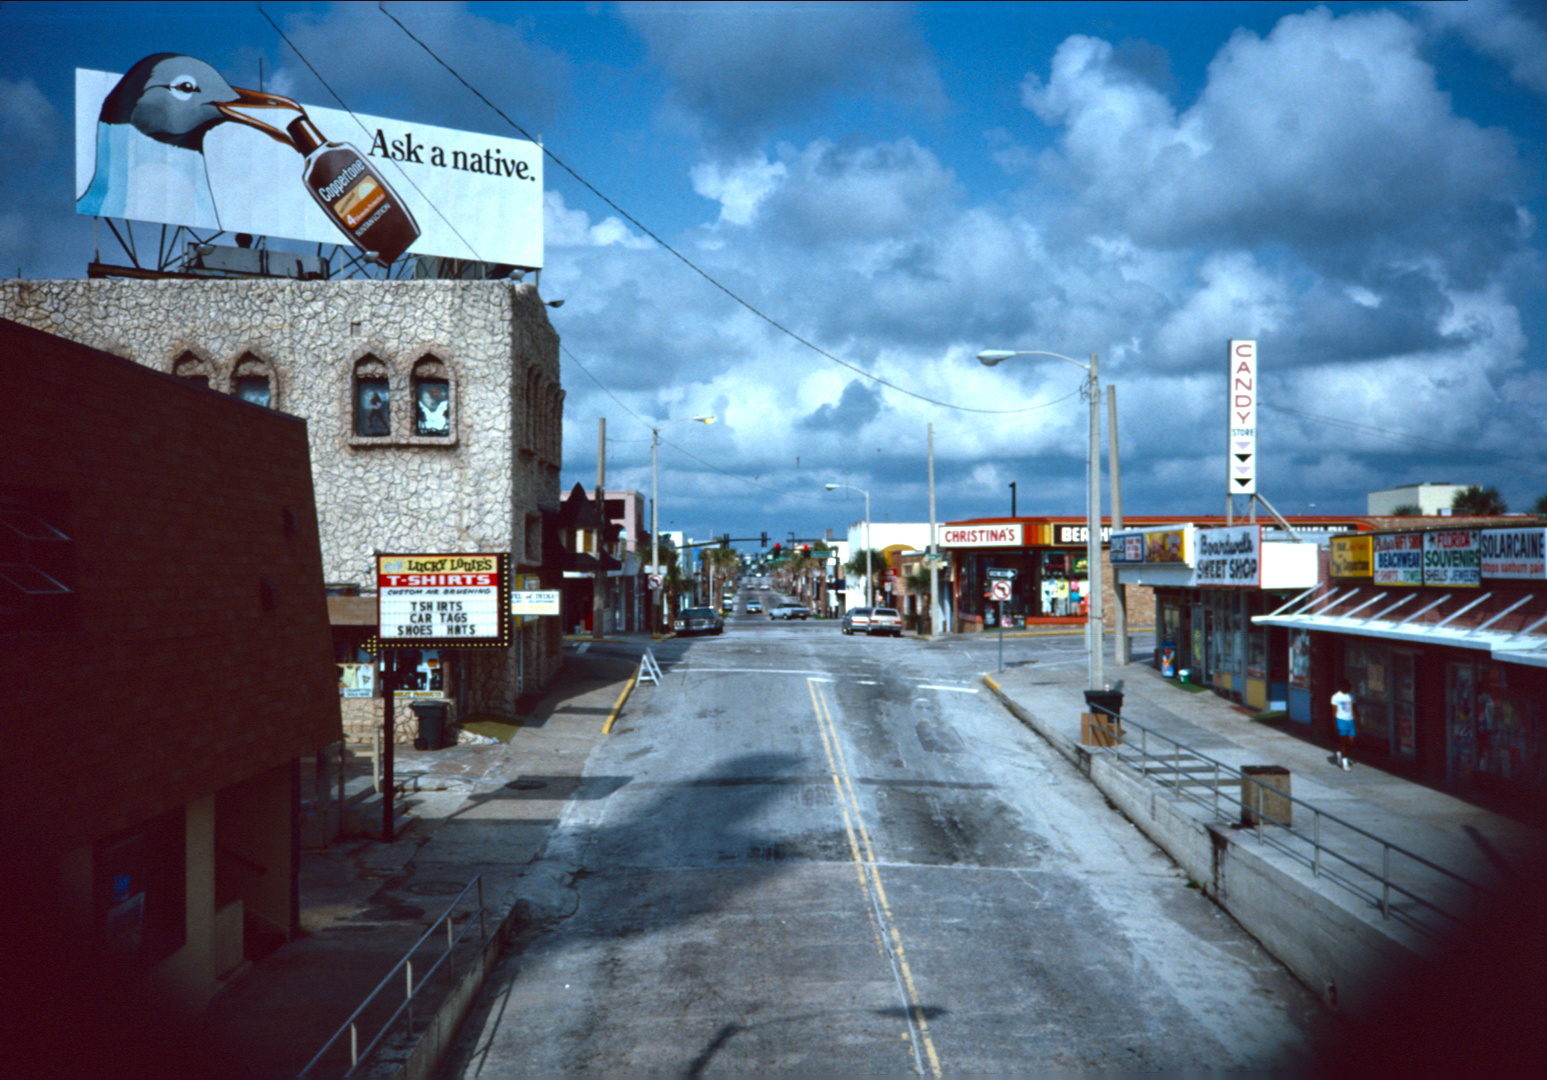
881,620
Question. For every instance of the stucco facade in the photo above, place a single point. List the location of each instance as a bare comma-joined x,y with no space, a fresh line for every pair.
476,476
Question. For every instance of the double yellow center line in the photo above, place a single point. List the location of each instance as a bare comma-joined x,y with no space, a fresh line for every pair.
888,940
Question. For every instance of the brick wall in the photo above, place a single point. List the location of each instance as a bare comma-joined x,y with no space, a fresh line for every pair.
200,653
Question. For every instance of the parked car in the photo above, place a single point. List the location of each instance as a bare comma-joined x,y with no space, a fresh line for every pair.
885,620
855,620
790,611
699,620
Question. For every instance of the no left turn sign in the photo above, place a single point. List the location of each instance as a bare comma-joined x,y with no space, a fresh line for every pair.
999,590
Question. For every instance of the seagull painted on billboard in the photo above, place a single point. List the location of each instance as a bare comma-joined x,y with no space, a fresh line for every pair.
150,140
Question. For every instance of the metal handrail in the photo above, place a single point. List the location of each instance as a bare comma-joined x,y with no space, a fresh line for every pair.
1318,847
350,1026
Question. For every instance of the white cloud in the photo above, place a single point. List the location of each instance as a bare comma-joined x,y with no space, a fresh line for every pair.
1330,133
563,227
1500,29
738,187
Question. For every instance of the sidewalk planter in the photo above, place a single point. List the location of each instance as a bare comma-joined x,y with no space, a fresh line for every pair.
1259,803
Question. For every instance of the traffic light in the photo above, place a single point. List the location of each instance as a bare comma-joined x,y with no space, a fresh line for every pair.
778,548
765,541
725,541
805,549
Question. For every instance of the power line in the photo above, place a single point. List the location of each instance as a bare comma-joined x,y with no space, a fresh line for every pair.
689,263
325,85
1415,440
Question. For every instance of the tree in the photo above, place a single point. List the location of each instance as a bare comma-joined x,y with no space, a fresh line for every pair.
1540,509
1475,501
856,567
723,564
1407,510
916,582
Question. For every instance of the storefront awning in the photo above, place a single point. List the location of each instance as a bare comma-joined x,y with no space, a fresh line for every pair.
1490,623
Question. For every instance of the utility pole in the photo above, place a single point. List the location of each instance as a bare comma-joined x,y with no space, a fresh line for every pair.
932,547
599,581
1119,590
1095,625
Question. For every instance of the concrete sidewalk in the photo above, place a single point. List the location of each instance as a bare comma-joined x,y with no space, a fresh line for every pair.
480,810
1324,920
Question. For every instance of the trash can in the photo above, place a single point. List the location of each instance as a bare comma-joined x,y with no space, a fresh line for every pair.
1101,723
1259,803
1104,701
432,723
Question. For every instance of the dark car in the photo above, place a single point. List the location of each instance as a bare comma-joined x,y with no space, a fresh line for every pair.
699,620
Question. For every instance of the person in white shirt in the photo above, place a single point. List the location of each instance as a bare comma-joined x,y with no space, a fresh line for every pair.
1343,712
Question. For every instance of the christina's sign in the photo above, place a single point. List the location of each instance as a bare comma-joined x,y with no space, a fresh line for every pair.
961,536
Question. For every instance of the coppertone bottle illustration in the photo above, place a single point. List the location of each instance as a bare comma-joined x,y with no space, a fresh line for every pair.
353,194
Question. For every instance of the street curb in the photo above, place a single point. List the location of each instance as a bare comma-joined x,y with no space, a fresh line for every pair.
628,688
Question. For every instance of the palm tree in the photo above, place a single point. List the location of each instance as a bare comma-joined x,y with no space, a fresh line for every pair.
916,582
722,563
1475,501
856,566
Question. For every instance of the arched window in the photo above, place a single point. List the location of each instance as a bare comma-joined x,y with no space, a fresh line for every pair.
433,405
372,399
194,369
253,380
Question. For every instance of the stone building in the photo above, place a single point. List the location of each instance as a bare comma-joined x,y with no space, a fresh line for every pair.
433,412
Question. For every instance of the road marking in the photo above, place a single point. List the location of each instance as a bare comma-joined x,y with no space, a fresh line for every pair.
953,689
810,672
870,880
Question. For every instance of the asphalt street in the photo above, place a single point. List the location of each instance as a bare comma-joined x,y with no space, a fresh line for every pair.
814,852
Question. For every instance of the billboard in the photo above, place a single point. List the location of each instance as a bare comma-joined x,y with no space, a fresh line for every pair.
1515,554
172,142
1230,556
1398,558
445,600
1453,558
1352,557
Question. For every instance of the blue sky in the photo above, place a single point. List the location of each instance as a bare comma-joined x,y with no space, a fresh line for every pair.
1357,186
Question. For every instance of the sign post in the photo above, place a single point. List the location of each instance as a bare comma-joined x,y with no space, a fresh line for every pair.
1001,585
433,601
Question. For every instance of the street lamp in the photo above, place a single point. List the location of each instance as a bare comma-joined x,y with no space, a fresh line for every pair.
1094,628
835,487
655,502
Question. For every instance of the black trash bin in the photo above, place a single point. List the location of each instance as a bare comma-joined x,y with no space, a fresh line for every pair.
432,723
1104,701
